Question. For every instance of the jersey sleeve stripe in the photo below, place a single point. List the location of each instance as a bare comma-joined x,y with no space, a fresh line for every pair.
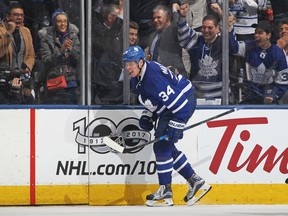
187,36
189,86
180,107
161,109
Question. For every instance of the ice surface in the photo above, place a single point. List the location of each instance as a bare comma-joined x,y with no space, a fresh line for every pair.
196,210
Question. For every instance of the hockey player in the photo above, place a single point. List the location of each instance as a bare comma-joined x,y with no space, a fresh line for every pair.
169,99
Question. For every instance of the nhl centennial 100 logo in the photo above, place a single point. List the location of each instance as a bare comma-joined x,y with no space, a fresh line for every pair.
91,136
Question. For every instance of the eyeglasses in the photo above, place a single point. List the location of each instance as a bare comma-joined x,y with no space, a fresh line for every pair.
61,21
17,15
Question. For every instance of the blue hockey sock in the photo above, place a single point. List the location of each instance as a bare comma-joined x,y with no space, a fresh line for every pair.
182,166
164,170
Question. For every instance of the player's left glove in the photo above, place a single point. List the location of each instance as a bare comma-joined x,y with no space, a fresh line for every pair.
175,130
146,121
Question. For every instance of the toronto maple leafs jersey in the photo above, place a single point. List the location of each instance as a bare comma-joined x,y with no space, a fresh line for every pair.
206,61
266,69
158,89
246,14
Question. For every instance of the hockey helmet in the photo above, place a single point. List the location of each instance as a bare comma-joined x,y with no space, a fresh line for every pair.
133,53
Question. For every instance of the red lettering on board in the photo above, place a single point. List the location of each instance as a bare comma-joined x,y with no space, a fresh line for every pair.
255,158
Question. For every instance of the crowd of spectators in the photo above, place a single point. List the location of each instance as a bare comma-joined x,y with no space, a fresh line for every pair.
184,35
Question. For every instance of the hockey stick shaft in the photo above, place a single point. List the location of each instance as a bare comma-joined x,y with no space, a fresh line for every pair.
186,128
200,162
210,119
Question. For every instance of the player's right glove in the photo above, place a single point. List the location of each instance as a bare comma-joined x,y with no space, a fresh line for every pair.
146,121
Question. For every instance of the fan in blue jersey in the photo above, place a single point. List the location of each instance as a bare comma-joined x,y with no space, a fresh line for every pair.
266,66
205,51
169,99
282,43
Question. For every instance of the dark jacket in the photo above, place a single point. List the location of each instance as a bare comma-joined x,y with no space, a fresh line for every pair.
55,63
169,49
141,11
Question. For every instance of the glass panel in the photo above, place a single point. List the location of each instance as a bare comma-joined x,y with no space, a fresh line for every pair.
102,29
57,49
107,47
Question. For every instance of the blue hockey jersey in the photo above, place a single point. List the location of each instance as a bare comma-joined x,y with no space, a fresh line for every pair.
159,89
266,69
206,61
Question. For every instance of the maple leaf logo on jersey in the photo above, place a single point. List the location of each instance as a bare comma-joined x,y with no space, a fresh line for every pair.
208,66
148,104
262,75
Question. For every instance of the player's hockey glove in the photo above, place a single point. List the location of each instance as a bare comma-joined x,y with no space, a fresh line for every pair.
175,130
146,120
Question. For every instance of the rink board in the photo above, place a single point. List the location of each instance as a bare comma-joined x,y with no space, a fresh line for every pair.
135,194
55,155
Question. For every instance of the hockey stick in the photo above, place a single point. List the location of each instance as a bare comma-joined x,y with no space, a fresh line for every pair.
114,145
200,162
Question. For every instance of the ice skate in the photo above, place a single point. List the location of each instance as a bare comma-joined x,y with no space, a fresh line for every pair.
196,183
163,197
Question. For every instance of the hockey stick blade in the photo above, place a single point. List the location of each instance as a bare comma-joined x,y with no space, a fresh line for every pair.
112,144
109,142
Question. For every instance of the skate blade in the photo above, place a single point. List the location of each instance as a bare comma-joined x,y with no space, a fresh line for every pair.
201,193
160,203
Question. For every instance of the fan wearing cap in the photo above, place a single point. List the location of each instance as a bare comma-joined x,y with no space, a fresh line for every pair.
60,52
266,66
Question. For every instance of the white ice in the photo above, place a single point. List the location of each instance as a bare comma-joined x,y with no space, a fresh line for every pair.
196,210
